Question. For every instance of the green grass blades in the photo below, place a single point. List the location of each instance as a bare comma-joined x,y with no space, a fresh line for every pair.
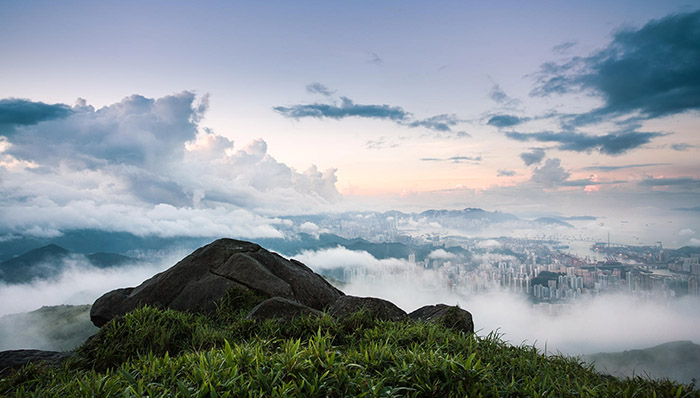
157,353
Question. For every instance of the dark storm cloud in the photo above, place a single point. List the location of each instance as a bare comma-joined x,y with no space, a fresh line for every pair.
609,144
534,157
506,173
652,70
625,166
506,120
19,112
454,159
346,107
687,182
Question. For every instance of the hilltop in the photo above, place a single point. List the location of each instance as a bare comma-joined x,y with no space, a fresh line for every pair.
269,331
679,360
48,261
61,327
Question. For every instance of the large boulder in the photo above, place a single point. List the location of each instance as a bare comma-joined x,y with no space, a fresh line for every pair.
378,308
199,280
449,316
281,309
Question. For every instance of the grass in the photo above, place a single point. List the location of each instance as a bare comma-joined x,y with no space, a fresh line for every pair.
164,353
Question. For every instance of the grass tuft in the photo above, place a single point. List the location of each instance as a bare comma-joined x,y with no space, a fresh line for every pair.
163,353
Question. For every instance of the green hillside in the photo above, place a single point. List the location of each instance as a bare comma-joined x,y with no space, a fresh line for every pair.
678,360
55,328
157,353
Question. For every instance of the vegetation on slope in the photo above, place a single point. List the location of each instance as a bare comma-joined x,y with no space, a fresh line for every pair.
164,353
677,360
61,327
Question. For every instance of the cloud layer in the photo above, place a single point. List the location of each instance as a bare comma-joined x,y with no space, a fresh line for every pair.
642,74
344,107
18,112
604,323
651,70
143,166
608,144
79,283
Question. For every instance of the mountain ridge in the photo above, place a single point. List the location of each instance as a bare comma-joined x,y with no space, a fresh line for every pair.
49,261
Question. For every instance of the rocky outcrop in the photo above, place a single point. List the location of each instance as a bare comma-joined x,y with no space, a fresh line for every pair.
448,316
378,308
15,359
199,280
281,309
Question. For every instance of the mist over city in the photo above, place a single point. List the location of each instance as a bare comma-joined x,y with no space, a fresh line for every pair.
534,164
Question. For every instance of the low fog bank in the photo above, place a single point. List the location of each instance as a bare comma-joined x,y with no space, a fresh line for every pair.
55,328
54,314
79,283
606,323
678,360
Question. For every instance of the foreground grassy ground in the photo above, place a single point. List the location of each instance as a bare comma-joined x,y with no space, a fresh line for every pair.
158,353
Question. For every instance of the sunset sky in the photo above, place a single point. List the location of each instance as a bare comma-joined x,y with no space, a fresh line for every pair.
168,116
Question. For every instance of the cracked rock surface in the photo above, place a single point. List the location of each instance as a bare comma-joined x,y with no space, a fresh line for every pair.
200,279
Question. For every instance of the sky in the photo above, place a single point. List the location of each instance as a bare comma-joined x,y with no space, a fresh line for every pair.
217,118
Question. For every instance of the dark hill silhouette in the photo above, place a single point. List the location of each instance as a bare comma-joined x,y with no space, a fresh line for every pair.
677,360
107,260
544,277
43,262
49,261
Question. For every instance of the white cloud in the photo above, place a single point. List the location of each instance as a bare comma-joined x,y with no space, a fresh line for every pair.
687,232
146,166
441,254
340,257
488,244
79,283
603,323
551,174
310,228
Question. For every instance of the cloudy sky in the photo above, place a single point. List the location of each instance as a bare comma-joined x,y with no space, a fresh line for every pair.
217,117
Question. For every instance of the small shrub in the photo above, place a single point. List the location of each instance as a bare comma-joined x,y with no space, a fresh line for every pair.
237,302
146,330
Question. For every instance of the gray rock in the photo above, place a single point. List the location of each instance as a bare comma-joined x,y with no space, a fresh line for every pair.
200,279
449,316
378,308
282,309
15,359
